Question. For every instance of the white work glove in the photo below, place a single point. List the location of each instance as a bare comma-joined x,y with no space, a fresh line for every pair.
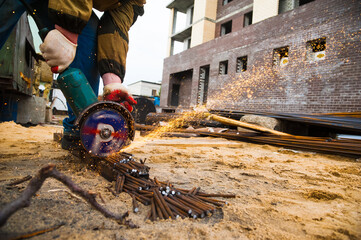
58,51
111,87
115,91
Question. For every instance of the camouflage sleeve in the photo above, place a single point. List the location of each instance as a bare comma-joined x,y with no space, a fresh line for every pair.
69,14
113,36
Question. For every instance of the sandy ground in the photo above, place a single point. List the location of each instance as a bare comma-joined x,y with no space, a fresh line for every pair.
281,194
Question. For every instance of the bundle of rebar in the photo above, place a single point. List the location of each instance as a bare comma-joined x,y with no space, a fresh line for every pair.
348,147
344,121
166,201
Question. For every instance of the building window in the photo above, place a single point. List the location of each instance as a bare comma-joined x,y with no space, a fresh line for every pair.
154,92
316,49
247,19
203,85
287,5
280,56
187,44
226,28
225,2
241,64
302,2
189,18
223,68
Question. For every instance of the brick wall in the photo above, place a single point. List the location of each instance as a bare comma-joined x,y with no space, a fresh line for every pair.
303,86
237,20
224,10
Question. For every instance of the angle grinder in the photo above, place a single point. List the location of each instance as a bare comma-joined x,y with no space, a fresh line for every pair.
105,126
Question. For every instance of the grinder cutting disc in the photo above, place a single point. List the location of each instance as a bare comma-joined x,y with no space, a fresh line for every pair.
105,130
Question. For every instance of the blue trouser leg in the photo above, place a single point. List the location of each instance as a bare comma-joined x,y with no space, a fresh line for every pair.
86,61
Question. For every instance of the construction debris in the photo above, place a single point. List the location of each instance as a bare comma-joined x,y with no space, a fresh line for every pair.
166,201
36,183
267,136
156,118
232,122
316,144
39,232
21,180
347,121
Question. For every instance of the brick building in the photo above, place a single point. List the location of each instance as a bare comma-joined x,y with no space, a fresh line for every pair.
296,56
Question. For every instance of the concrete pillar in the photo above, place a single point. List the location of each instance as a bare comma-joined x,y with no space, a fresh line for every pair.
203,29
263,9
172,27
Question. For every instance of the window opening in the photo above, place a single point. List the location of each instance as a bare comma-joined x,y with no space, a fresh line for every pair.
241,64
225,2
180,22
247,19
287,5
187,44
316,49
226,28
203,84
223,68
189,16
302,2
280,56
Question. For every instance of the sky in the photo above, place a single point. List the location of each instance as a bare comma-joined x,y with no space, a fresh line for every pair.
147,43
148,39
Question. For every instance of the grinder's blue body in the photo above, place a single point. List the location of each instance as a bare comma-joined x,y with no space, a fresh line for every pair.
76,89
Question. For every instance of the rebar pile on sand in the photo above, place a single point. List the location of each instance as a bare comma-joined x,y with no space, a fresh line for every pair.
166,201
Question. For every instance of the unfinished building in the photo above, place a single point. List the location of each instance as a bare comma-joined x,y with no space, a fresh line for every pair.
296,56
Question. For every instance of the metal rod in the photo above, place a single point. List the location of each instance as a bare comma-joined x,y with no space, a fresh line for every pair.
160,196
135,204
153,211
178,204
160,204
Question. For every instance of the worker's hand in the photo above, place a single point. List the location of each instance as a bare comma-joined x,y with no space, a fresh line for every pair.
58,51
116,92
